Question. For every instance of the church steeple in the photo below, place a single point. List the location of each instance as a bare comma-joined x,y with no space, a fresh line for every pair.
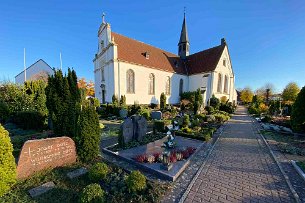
184,44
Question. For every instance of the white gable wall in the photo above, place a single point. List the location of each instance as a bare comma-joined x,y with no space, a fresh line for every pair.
36,68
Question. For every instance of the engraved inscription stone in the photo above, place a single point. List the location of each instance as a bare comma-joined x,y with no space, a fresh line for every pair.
156,115
127,130
77,172
41,189
37,155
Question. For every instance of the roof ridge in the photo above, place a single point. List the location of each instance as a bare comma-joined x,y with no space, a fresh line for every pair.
206,50
144,43
34,64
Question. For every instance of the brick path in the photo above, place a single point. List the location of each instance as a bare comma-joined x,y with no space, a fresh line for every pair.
240,168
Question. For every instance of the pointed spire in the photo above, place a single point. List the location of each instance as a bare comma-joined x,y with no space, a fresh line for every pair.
184,35
103,18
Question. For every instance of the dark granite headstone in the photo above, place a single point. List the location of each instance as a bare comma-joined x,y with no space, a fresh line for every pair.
157,115
141,128
127,130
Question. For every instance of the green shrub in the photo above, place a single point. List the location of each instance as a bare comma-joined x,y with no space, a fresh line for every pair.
220,118
153,105
186,130
88,135
92,193
4,111
98,171
214,102
196,107
209,109
123,100
298,112
145,113
159,125
201,116
29,120
7,162
207,136
115,100
186,121
253,110
162,101
136,181
227,107
188,96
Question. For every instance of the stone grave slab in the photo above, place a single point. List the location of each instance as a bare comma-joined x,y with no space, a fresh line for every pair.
123,113
157,115
41,189
76,173
37,155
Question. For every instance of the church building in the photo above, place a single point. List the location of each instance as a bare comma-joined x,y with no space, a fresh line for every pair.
141,72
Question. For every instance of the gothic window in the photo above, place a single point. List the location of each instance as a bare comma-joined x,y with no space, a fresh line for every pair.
219,83
168,85
181,87
151,84
103,76
224,62
130,80
226,84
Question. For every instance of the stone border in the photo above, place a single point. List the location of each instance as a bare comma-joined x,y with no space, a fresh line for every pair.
298,169
188,189
164,176
294,193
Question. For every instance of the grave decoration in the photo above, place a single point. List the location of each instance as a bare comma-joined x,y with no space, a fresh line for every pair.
37,155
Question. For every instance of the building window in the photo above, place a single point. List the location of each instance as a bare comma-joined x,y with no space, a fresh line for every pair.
226,84
224,62
151,84
184,47
180,48
181,87
168,86
102,44
103,75
130,76
219,85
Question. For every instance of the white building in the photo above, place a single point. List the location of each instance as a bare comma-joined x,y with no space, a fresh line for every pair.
141,72
38,70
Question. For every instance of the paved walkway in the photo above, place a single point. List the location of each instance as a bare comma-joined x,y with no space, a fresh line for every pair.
240,168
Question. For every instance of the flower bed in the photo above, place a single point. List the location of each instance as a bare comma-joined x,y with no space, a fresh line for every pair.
158,157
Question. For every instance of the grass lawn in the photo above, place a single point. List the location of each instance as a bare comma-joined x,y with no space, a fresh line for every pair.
287,143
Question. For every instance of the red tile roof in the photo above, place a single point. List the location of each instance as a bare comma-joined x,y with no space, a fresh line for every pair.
133,51
204,61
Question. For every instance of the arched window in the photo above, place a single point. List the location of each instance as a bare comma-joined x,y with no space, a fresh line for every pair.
219,85
103,75
226,84
224,62
130,81
168,86
151,84
181,87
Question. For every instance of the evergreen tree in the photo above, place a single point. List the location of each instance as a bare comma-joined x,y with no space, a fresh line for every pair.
162,100
88,134
298,112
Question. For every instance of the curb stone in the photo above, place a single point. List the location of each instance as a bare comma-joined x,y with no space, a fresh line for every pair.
294,193
298,169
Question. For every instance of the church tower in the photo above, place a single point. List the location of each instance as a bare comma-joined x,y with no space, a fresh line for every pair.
184,44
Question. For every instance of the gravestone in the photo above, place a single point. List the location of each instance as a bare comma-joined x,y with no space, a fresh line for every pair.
157,115
127,130
123,113
37,155
141,128
41,189
77,172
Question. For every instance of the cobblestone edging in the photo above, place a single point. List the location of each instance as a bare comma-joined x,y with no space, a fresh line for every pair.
184,196
295,195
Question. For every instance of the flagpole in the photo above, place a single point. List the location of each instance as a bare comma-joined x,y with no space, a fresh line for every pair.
24,65
60,61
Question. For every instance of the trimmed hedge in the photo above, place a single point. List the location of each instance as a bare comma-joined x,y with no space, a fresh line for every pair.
98,171
92,193
136,181
29,120
7,162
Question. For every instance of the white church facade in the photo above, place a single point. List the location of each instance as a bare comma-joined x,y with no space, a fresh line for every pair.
141,72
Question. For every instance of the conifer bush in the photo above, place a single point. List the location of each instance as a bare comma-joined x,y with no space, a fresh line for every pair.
92,193
7,162
88,134
298,112
162,100
98,171
136,181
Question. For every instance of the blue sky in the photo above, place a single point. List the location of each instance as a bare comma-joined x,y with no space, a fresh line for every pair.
266,38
